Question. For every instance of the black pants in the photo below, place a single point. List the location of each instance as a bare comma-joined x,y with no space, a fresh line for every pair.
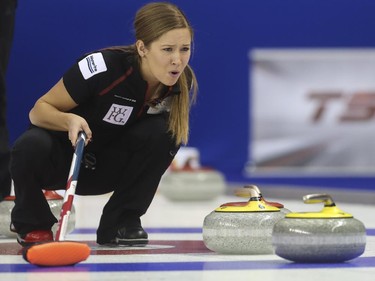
130,165
7,16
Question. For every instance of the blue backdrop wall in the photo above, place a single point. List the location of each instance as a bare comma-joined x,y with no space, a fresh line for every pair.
50,35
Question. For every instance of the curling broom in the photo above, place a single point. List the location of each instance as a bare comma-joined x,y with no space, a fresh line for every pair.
61,252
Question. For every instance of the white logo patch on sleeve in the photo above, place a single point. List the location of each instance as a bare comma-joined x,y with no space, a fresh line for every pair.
91,65
118,114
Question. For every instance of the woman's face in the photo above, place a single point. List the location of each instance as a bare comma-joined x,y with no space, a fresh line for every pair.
166,58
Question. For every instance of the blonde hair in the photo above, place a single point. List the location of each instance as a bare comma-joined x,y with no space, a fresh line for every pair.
152,21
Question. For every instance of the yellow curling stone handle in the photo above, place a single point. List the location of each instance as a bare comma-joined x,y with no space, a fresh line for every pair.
329,211
251,206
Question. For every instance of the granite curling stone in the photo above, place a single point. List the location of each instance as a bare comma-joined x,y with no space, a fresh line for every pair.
241,229
192,184
55,202
328,236
187,180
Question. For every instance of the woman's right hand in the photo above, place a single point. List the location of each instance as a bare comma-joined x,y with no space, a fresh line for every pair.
77,124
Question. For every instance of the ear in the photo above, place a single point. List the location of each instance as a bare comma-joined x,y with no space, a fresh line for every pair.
140,48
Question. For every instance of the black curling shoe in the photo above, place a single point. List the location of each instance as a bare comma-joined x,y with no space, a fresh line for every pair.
131,236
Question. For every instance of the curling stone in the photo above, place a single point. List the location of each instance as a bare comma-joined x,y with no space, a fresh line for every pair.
330,235
246,192
192,184
186,180
241,229
55,202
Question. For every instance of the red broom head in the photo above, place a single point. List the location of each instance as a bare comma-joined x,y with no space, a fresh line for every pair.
61,253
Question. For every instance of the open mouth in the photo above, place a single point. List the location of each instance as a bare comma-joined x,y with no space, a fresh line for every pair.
174,73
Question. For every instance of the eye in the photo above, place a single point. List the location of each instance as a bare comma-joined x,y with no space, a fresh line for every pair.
185,49
168,49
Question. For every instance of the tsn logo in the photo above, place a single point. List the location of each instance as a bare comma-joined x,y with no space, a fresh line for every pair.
360,106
